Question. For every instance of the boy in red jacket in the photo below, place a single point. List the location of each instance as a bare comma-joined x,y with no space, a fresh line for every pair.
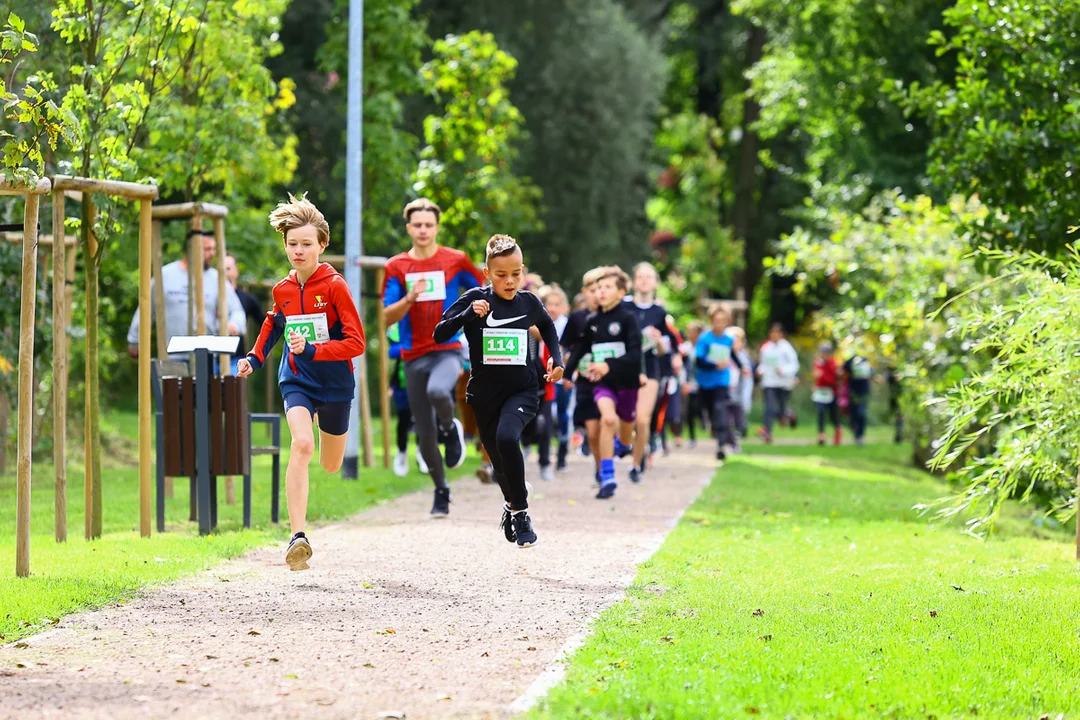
314,309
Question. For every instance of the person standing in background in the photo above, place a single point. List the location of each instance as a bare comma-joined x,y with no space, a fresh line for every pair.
778,368
179,318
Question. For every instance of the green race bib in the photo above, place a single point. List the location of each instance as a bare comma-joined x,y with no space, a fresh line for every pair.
505,346
312,327
602,352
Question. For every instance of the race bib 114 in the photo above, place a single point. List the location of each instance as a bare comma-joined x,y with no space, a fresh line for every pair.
433,285
505,347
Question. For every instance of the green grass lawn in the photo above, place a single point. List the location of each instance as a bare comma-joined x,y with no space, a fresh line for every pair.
809,588
78,574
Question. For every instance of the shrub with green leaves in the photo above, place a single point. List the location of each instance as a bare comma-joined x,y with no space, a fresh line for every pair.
1023,405
893,266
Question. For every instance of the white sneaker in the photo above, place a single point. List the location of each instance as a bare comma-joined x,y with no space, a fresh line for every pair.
421,464
547,473
401,464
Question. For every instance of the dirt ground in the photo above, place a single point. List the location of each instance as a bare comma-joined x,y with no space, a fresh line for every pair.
400,615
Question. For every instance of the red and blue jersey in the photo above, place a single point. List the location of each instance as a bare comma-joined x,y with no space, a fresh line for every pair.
323,310
445,275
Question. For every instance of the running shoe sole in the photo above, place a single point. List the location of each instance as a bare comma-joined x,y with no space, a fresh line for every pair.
297,556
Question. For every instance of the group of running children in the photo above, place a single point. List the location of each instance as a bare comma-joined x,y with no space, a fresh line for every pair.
620,354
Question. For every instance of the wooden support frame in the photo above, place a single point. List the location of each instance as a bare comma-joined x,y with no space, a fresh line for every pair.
145,195
63,271
32,199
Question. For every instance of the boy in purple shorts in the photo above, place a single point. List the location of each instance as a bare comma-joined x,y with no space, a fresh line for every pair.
613,338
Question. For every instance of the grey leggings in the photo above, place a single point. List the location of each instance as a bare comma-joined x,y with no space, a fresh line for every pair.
431,381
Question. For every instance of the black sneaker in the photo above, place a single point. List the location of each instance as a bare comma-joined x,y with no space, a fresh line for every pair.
453,441
441,507
523,531
635,475
607,490
299,552
507,524
720,454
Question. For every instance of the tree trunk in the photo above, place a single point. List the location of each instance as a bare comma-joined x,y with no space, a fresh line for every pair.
710,90
742,213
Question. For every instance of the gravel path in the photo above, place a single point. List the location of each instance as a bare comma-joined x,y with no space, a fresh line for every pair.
400,615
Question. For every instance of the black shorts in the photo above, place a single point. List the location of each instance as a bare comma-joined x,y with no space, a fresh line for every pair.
585,408
333,417
652,366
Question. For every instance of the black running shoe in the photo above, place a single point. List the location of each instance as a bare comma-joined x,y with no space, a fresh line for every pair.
453,441
635,475
607,490
523,531
299,553
720,454
441,506
507,524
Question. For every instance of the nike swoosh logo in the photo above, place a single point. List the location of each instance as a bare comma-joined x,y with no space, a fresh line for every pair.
493,322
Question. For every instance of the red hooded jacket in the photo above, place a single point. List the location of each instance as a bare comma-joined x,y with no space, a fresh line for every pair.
324,370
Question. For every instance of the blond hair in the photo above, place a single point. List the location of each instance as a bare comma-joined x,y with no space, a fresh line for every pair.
421,205
721,308
552,291
501,246
649,265
592,276
297,213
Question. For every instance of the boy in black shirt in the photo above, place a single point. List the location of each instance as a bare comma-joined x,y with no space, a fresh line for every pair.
613,337
504,381
586,415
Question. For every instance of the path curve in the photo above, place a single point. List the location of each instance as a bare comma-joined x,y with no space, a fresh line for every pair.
400,616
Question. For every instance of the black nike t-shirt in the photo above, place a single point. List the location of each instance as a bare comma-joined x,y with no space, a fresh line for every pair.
502,364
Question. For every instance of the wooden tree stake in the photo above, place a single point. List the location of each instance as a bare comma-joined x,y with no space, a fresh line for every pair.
26,386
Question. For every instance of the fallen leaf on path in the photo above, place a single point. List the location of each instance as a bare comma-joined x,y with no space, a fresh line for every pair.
392,715
205,684
290,676
368,665
211,657
484,655
21,665
444,697
254,632
181,681
571,501
274,660
387,631
530,648
21,645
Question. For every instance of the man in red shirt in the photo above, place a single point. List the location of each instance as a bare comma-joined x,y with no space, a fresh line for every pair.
419,286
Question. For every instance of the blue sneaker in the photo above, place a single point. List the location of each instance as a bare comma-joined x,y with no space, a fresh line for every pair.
607,490
635,475
621,450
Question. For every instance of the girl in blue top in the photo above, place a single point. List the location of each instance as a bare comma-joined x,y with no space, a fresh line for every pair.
714,361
